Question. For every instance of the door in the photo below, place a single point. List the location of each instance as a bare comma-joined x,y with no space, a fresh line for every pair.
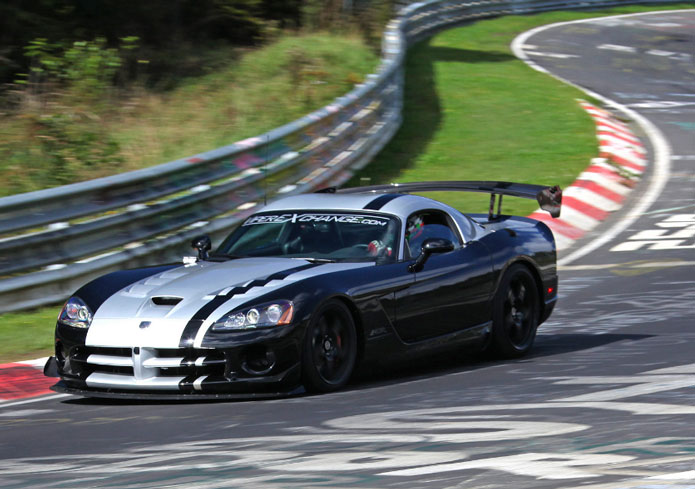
452,291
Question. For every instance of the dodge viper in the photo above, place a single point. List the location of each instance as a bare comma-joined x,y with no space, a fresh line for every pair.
310,287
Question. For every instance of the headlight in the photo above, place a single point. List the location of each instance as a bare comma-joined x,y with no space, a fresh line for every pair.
262,316
76,313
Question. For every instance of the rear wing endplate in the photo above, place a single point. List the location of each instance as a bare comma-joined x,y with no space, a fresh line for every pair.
549,198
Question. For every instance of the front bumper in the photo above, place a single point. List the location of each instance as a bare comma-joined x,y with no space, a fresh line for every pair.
268,366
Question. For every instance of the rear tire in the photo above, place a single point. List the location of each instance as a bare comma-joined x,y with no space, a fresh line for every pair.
516,309
329,351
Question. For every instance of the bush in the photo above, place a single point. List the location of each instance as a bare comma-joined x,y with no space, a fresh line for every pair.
64,97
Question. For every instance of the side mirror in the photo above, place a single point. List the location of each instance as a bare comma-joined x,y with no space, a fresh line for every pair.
203,245
430,246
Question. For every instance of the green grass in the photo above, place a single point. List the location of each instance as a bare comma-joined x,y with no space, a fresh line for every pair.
475,112
472,112
27,335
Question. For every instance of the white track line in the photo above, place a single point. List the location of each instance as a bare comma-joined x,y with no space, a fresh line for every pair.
662,149
6,404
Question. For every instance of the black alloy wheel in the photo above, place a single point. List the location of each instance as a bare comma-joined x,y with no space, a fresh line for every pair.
515,313
330,348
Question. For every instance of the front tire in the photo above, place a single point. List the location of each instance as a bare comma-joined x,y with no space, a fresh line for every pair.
515,314
329,351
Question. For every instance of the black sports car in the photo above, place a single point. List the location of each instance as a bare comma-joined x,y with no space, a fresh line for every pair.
310,286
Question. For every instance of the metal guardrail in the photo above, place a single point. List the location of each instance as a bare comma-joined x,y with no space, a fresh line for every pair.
57,239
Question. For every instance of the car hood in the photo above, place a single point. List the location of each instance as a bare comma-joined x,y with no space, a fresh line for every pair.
154,311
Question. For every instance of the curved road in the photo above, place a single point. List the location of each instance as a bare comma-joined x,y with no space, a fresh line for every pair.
607,400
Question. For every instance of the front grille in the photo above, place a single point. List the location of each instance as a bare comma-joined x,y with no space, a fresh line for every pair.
144,363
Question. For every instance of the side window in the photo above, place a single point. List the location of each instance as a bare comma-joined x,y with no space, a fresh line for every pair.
428,224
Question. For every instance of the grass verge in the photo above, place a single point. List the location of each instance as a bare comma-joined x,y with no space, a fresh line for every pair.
475,112
27,335
472,112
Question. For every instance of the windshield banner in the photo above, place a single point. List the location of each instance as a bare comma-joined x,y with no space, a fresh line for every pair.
341,218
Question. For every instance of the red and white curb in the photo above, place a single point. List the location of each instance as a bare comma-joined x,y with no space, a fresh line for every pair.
604,185
21,380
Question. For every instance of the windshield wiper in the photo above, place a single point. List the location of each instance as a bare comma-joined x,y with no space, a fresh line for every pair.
314,260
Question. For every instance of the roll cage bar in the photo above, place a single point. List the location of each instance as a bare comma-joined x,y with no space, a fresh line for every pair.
549,198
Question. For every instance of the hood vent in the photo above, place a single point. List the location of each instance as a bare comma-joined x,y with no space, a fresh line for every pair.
166,300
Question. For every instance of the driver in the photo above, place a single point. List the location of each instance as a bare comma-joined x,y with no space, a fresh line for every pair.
413,232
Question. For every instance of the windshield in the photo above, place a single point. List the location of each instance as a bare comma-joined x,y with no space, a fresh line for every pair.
333,236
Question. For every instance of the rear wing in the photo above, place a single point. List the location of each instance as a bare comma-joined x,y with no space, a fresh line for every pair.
548,198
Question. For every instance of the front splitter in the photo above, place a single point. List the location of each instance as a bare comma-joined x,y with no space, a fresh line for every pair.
159,396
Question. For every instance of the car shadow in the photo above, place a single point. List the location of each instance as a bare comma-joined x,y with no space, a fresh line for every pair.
445,363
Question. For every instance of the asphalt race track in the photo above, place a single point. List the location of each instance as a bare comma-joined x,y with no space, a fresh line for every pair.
607,400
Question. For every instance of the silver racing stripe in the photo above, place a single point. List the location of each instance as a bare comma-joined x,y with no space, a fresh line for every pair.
116,322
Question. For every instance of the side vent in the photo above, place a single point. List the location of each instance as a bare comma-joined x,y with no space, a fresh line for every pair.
165,300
